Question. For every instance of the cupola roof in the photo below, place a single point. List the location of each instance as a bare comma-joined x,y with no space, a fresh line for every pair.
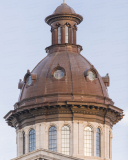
64,9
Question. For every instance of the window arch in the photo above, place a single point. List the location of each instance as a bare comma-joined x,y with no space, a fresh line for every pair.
65,140
53,139
59,35
32,140
23,142
66,33
98,142
88,141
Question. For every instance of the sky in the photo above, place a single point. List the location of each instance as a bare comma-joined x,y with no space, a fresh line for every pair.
24,35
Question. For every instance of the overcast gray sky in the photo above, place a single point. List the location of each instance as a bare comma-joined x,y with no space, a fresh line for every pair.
24,37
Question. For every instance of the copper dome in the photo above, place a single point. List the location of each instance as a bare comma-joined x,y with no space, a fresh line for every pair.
74,88
74,96
63,9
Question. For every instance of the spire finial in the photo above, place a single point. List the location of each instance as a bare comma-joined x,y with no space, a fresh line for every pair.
63,1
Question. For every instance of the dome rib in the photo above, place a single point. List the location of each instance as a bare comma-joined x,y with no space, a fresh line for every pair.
49,70
41,74
70,70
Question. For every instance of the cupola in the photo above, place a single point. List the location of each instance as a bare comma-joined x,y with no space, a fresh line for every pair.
63,24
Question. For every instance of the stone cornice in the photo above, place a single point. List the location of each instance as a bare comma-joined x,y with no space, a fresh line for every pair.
57,17
104,114
64,47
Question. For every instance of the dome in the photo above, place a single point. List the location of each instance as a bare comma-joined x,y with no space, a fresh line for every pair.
73,87
64,9
64,86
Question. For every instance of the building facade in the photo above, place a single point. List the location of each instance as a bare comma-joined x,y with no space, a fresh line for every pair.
64,111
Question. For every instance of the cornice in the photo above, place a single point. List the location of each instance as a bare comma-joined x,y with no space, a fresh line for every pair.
59,17
101,114
64,47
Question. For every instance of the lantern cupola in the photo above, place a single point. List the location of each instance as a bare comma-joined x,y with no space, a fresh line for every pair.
63,24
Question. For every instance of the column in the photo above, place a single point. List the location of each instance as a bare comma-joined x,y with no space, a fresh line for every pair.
75,138
19,138
74,36
70,35
59,140
52,31
55,36
17,142
102,144
26,142
42,136
81,139
94,148
63,35
37,136
46,142
111,146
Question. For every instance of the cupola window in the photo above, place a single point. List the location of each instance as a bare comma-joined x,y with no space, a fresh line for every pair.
29,80
65,140
91,75
32,140
88,141
66,33
98,139
59,35
59,74
52,139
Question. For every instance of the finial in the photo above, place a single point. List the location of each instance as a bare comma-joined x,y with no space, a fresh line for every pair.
63,1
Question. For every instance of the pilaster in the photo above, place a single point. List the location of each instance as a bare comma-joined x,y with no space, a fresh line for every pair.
75,138
37,136
94,141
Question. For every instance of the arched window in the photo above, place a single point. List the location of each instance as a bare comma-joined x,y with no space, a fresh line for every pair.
23,142
32,140
59,35
65,140
53,139
88,141
66,34
98,142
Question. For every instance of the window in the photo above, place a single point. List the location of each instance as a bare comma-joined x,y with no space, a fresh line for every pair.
29,80
23,142
59,35
66,34
88,141
53,139
65,140
32,140
59,74
98,140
